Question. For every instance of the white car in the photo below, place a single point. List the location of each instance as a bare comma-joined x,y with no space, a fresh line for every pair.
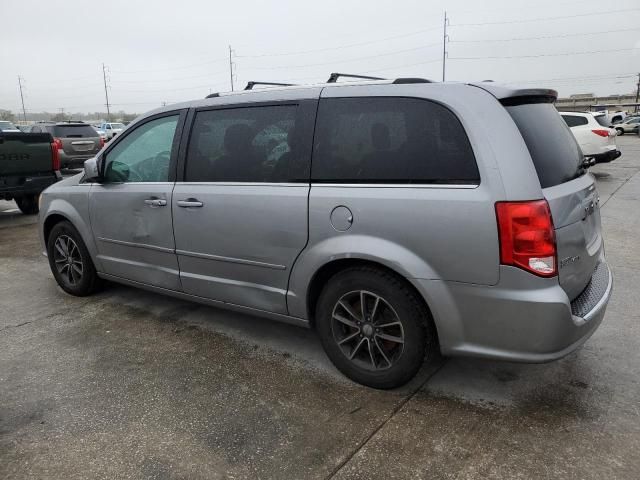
593,134
111,129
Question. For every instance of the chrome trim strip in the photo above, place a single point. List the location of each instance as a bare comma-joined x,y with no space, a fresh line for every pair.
397,185
246,184
137,245
220,258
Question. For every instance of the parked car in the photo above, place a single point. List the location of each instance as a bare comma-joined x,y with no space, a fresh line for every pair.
435,217
111,129
100,132
28,164
24,128
8,127
630,125
593,134
76,141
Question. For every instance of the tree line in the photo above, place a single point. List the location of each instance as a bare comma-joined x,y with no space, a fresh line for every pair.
120,116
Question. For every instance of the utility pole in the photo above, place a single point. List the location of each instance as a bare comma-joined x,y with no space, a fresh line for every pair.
445,39
231,67
24,112
106,92
638,93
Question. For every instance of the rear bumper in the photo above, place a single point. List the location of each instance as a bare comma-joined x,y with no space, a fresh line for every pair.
16,186
74,161
607,156
523,318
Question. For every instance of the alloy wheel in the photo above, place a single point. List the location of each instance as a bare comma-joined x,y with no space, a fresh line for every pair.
68,260
367,330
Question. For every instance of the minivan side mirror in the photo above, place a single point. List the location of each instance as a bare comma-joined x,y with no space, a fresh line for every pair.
92,170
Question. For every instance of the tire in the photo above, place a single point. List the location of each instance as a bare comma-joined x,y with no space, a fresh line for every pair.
379,359
28,204
620,131
76,276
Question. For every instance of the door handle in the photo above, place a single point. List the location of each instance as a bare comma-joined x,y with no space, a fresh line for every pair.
155,202
189,203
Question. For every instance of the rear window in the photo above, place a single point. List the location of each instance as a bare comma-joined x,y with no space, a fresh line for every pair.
574,120
73,131
602,120
390,140
553,148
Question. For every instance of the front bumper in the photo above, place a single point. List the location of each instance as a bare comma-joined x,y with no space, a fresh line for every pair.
523,318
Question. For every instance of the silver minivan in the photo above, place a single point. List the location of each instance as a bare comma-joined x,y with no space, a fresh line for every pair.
398,218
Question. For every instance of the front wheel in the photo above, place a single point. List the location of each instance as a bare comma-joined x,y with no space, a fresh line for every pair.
620,131
70,261
28,204
374,327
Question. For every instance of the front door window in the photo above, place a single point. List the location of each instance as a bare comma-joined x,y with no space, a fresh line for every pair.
143,155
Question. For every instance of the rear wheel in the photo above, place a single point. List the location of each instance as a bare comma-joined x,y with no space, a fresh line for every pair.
70,261
374,328
620,131
28,204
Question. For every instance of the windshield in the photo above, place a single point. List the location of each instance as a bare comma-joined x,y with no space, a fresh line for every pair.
7,126
553,148
118,126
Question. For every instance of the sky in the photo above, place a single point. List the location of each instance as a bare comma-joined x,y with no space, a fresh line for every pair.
168,51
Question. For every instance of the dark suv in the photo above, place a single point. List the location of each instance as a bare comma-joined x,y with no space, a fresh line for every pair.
76,141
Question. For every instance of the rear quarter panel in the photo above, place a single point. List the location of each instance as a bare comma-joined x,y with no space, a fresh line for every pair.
424,231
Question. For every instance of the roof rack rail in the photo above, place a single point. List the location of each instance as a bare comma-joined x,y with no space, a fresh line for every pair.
412,80
252,84
212,95
333,78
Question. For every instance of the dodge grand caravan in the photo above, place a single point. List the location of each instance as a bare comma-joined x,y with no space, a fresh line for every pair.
397,218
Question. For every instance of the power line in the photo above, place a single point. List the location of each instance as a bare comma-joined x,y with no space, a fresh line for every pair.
339,47
355,59
403,66
579,77
544,18
219,60
544,54
219,72
547,36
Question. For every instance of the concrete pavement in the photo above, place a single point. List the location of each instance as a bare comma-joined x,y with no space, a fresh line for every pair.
129,384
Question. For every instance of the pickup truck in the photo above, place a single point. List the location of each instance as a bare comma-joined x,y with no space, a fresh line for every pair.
29,163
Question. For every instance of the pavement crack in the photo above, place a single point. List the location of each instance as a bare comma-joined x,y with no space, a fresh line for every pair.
393,413
16,326
616,190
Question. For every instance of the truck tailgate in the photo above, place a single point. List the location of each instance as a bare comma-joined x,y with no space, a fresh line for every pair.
25,153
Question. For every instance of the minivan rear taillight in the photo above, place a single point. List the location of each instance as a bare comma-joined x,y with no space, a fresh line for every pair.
527,236
55,156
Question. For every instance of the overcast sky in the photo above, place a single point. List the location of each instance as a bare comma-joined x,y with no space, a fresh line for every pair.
168,51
